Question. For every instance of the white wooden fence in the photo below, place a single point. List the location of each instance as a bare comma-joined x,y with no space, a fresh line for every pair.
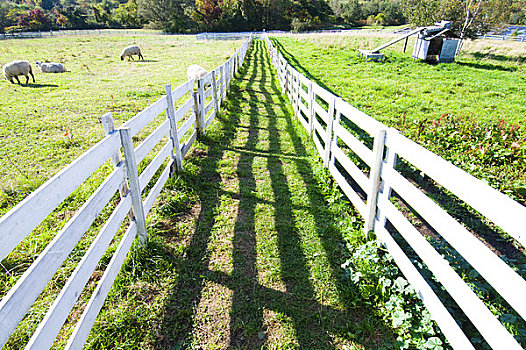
324,115
223,36
518,38
22,219
72,32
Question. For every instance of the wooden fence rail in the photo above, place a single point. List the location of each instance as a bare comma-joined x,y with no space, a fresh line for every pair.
18,223
361,154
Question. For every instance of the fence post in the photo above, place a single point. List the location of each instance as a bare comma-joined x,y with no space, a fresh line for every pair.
297,92
202,116
293,92
328,136
197,111
286,85
311,108
135,187
108,125
221,82
227,77
214,93
385,192
334,141
177,159
372,194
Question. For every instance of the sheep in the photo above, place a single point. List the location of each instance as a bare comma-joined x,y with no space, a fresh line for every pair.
15,68
130,51
195,72
51,67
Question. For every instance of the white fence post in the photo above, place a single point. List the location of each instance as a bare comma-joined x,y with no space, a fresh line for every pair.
372,194
170,114
214,93
201,92
109,126
328,136
311,109
385,192
286,78
227,77
334,142
135,188
295,93
197,111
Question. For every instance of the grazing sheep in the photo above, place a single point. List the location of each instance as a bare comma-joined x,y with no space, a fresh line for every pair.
52,67
130,51
15,68
195,72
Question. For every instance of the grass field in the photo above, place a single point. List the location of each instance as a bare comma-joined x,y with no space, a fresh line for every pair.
245,251
471,112
44,126
251,245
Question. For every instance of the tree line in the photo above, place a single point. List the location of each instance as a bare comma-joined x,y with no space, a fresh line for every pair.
470,17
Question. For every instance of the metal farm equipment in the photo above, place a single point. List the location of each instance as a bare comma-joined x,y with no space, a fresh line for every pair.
431,45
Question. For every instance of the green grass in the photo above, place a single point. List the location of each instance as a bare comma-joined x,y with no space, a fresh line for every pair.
46,125
251,246
470,112
245,252
245,249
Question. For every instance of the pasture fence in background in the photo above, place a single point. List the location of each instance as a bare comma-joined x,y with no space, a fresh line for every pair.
18,223
223,36
517,38
73,32
342,135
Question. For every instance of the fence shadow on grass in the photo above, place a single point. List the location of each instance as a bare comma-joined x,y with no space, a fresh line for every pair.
487,66
316,323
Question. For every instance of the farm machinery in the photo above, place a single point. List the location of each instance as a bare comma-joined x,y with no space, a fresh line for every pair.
431,44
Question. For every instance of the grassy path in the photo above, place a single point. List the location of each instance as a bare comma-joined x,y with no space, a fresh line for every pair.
265,259
244,252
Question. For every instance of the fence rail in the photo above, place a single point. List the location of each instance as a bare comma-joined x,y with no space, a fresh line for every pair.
17,224
361,154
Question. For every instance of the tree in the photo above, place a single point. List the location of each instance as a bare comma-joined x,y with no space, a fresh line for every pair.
518,13
352,11
35,19
127,16
170,15
469,18
4,10
208,12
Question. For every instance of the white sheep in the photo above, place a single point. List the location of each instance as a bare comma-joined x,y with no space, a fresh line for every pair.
130,51
51,67
15,68
195,72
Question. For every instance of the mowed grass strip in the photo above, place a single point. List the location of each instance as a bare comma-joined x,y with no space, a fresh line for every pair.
244,253
471,112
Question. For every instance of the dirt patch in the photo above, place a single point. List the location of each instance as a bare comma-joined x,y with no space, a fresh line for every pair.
212,320
168,227
276,330
197,153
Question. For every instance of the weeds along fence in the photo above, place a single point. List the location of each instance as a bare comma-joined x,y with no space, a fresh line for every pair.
362,155
199,109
